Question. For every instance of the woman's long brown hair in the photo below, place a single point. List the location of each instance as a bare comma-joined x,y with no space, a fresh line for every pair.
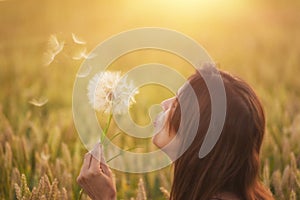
233,164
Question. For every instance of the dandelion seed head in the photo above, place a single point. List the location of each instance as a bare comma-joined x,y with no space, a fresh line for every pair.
109,92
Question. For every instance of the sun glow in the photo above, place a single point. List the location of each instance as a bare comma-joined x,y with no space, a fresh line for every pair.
203,6
184,11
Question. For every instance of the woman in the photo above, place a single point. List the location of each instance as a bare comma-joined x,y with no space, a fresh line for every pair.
229,171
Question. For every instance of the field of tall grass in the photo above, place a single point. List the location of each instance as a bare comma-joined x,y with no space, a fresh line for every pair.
40,150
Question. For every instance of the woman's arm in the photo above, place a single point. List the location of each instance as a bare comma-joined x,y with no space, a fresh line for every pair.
96,178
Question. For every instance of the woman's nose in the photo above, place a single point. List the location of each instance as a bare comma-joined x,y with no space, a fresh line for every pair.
167,103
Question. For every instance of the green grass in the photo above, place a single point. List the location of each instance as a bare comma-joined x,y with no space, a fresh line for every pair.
257,41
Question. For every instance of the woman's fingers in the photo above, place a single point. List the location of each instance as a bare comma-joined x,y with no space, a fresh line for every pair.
95,177
92,163
105,169
86,162
95,166
95,160
84,168
97,151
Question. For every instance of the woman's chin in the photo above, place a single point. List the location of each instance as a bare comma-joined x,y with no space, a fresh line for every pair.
157,140
154,140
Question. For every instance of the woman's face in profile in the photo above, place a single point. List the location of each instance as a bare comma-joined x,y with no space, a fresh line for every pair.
162,136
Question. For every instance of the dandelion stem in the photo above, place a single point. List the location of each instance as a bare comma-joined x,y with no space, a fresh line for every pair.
106,128
113,137
80,194
132,148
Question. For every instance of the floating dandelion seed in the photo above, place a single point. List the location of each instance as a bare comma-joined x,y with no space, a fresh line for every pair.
39,102
54,48
76,40
83,55
108,92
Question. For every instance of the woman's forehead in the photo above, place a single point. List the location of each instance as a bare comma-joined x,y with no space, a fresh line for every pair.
185,88
180,89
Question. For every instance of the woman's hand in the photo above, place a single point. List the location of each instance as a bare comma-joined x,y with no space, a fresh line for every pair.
95,177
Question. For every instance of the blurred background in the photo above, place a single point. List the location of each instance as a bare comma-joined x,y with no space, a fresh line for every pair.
256,40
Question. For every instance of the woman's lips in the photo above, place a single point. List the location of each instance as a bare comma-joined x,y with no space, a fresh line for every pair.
159,120
155,123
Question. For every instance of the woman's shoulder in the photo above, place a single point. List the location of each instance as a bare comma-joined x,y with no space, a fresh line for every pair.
225,196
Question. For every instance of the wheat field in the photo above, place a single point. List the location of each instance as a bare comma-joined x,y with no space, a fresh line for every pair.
40,150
